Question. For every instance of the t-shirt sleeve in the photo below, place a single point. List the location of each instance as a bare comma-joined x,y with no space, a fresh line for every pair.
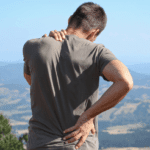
26,59
104,57
26,68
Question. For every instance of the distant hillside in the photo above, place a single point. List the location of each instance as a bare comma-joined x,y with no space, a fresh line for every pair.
13,72
125,125
143,68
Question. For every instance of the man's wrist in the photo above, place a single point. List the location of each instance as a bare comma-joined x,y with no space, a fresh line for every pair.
87,115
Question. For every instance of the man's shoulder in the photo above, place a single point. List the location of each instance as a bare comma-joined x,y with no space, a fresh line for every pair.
100,46
38,40
29,45
89,43
32,41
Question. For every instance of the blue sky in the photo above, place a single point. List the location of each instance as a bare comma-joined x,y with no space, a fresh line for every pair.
127,33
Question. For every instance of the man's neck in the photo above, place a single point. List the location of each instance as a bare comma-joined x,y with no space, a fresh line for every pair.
76,32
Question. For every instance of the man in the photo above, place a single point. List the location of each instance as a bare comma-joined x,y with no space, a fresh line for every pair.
64,79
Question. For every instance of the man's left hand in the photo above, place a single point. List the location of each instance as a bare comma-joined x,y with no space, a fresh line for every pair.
58,35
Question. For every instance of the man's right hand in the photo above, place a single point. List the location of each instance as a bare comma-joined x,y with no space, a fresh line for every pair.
58,35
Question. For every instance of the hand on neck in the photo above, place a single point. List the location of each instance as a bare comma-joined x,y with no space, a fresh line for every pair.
81,34
77,32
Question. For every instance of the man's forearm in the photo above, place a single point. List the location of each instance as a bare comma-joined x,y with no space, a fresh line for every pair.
116,92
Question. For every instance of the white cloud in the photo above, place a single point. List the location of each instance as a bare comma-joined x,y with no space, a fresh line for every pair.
137,99
148,109
127,97
127,108
28,89
124,129
16,123
24,106
4,91
103,90
145,96
14,102
99,96
22,131
13,112
146,101
5,101
110,83
148,130
8,101
14,93
24,94
26,117
118,131
103,85
105,116
140,87
28,100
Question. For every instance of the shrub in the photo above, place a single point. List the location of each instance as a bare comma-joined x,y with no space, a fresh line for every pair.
8,140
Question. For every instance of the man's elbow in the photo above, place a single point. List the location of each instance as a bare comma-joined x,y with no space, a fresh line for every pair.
129,84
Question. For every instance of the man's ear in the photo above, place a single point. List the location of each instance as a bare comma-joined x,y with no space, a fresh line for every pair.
69,19
92,35
96,31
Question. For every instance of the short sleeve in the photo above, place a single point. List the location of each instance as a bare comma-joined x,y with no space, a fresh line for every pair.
26,59
104,57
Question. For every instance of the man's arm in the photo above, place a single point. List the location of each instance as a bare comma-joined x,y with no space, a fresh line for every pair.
119,74
28,78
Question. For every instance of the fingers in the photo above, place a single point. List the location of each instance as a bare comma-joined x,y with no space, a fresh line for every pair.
53,34
62,35
58,35
72,134
70,129
45,35
75,138
64,31
82,140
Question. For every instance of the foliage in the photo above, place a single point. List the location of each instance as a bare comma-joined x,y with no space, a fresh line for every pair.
8,140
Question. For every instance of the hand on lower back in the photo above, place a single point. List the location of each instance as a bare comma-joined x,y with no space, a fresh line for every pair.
82,129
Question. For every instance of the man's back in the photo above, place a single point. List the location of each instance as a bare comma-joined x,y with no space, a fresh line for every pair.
65,81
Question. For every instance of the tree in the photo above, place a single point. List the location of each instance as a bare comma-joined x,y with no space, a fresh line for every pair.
24,137
8,140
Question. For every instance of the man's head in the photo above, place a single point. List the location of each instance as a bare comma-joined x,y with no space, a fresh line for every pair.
88,21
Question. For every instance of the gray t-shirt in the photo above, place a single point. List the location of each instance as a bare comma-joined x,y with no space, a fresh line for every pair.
64,84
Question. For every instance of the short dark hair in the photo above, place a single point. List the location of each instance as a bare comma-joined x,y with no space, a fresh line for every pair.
88,16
